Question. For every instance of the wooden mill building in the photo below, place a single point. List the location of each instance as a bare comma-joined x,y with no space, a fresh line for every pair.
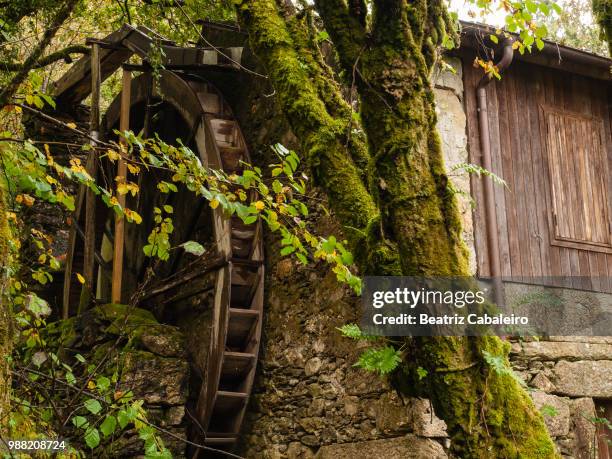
545,128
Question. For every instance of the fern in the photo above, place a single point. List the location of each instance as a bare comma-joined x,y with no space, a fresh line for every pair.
479,171
499,366
379,360
354,332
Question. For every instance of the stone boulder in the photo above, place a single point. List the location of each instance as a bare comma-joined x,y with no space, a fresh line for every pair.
424,422
559,350
583,410
159,381
583,378
556,412
407,447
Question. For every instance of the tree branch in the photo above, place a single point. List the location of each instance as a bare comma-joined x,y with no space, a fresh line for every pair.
60,17
63,54
346,28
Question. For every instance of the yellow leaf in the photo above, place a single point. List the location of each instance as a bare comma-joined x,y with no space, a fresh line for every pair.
71,125
91,385
133,216
80,278
113,155
29,200
259,205
133,168
214,203
122,188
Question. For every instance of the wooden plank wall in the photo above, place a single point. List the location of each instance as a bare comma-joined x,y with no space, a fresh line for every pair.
519,156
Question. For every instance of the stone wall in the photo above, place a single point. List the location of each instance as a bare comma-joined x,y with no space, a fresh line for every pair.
565,375
309,400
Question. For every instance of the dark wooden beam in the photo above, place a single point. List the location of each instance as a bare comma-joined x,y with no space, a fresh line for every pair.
92,170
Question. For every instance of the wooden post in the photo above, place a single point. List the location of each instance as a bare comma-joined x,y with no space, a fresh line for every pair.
90,198
124,125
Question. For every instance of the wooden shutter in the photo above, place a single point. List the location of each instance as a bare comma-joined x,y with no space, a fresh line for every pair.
578,180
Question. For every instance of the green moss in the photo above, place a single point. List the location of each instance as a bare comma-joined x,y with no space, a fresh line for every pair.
6,316
322,135
602,10
488,414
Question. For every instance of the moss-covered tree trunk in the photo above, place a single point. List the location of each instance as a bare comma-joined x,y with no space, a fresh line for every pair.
6,326
602,10
409,207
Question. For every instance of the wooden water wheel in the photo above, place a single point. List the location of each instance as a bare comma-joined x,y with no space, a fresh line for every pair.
231,272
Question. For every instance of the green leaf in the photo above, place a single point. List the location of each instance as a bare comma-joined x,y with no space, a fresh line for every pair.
92,437
193,248
277,186
124,418
93,406
79,421
494,38
541,31
421,372
281,149
287,250
249,219
108,426
70,379
48,99
103,383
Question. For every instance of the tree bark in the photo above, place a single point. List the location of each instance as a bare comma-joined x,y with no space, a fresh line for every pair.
488,413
